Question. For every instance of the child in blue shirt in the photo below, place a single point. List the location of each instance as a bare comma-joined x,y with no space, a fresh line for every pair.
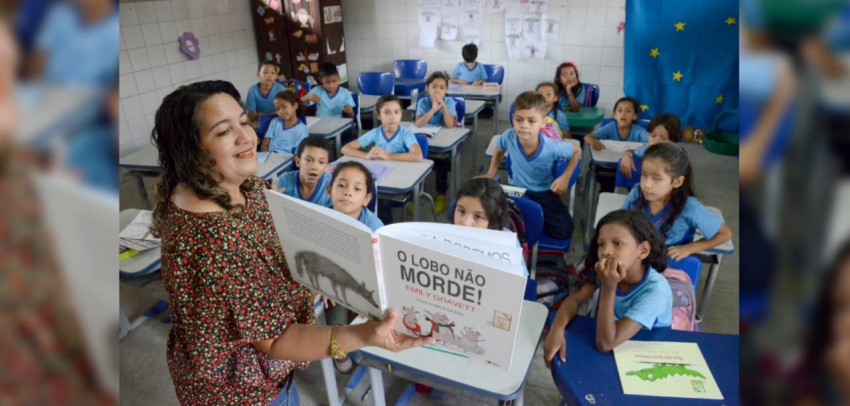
286,131
664,127
350,192
533,156
310,182
666,196
571,94
440,110
469,72
260,99
550,92
389,140
332,100
623,128
625,256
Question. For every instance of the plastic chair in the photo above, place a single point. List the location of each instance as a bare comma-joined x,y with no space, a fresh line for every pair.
460,108
532,216
410,68
495,73
591,94
373,204
406,200
691,265
628,183
558,169
375,83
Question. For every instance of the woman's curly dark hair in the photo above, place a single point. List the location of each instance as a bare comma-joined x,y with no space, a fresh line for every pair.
176,135
641,229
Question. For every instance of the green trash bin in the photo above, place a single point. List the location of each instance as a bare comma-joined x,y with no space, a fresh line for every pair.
721,142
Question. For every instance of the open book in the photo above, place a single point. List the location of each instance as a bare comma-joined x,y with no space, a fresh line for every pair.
462,285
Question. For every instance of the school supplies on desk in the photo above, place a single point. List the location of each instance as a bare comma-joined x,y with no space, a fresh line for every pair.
137,235
429,130
126,253
668,369
461,285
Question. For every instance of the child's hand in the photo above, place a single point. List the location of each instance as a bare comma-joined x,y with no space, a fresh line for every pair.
678,252
627,165
461,82
597,145
437,104
348,110
377,153
560,186
611,272
281,190
487,175
478,82
555,343
327,302
312,97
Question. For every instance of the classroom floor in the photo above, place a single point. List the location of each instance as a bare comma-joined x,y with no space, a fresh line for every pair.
145,379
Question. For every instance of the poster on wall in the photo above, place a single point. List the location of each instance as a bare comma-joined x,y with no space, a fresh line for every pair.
538,6
428,35
531,27
496,6
550,27
532,49
333,14
513,23
472,35
429,16
449,25
343,73
429,3
514,42
472,3
471,16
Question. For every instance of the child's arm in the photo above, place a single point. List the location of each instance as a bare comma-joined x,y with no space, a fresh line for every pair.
567,134
264,146
555,340
448,119
591,140
460,81
422,119
498,156
561,185
310,97
609,333
574,104
678,252
627,164
415,155
348,111
353,149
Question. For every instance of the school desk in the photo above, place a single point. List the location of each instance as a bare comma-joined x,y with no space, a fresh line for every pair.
604,158
329,127
452,374
367,105
405,88
138,271
447,143
469,92
47,111
406,178
609,202
590,377
145,163
582,122
473,108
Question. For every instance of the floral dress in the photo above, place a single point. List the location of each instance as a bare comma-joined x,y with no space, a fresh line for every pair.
229,286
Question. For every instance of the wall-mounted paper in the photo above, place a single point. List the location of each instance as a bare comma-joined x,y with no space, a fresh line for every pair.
429,16
471,16
496,6
472,3
538,6
449,4
448,26
427,35
551,27
471,35
513,24
531,27
429,3
343,73
514,43
532,49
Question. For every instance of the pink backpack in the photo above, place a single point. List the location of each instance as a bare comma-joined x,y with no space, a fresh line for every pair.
684,300
550,130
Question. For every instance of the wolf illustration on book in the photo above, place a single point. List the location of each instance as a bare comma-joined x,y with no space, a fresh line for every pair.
317,265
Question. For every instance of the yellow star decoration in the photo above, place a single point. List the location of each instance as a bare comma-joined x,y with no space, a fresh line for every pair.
644,107
678,76
680,26
654,53
730,21
718,99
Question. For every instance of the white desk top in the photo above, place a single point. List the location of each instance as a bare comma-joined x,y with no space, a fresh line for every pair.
609,202
403,177
473,107
143,261
491,148
46,109
147,158
474,91
475,374
836,92
445,139
368,101
327,126
613,151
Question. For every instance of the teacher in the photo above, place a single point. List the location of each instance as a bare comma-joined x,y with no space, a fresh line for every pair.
240,324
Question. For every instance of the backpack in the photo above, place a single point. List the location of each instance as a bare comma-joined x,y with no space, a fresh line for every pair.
684,300
516,224
552,288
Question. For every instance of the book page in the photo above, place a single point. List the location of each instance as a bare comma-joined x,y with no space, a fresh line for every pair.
668,369
470,303
328,252
500,245
140,228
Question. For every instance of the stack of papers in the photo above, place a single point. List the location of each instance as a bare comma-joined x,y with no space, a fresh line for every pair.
429,130
137,235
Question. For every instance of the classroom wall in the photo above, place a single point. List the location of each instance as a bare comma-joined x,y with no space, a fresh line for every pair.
380,31
152,66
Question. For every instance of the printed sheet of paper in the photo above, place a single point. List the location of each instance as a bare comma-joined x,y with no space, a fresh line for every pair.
533,49
429,3
669,369
538,6
550,26
449,24
496,6
379,172
531,27
450,4
429,16
514,44
472,3
472,35
139,228
428,35
513,23
471,16
262,157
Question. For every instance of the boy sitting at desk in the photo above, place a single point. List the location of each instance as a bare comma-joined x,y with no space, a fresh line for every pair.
260,99
469,72
332,100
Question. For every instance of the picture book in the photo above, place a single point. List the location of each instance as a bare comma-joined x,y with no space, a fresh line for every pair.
670,369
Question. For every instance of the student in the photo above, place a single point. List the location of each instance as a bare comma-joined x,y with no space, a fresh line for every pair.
625,256
260,99
481,203
555,117
664,127
469,72
310,181
332,100
570,91
438,109
533,156
388,141
93,152
666,196
286,131
623,128
350,191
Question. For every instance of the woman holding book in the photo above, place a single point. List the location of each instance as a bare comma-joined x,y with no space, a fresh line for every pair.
240,324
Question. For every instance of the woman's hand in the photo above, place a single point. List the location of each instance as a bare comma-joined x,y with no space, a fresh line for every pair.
382,335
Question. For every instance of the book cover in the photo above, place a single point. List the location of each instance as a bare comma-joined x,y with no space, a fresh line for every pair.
669,369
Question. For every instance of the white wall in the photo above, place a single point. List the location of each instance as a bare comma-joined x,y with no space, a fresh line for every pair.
377,32
151,64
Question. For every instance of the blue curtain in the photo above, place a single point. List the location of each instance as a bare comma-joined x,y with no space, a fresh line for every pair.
694,70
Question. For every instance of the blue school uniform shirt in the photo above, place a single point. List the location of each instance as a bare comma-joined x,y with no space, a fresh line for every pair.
564,100
649,303
561,119
331,106
693,216
370,219
638,153
255,101
535,172
423,106
283,139
462,72
292,182
399,143
610,132
78,53
93,154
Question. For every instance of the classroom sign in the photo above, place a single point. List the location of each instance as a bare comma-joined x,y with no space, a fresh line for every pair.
668,369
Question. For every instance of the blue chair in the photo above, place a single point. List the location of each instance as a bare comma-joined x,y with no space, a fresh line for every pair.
405,200
532,216
373,204
495,73
691,265
558,169
628,183
375,83
410,68
591,94
460,109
